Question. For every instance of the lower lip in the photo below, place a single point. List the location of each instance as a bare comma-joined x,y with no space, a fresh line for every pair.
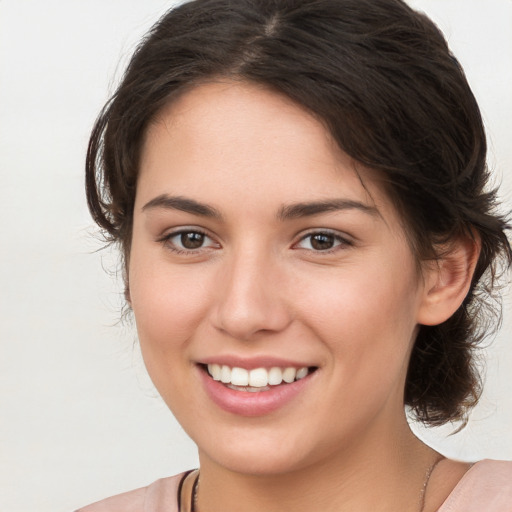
245,403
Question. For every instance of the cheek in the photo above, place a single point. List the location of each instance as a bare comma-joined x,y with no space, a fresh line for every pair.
169,308
367,316
168,304
369,334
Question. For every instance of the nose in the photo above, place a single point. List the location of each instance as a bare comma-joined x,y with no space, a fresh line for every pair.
251,298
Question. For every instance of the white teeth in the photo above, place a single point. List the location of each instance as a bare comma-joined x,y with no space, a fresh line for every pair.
256,378
301,373
215,371
225,374
275,376
289,374
239,377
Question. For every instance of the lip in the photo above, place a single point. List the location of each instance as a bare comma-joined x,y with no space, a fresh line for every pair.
260,403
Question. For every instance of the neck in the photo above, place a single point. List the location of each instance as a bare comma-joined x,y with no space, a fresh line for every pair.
378,473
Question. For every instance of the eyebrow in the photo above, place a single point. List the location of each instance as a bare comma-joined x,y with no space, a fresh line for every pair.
183,204
286,212
298,210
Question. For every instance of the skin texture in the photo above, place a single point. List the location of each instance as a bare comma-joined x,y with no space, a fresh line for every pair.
257,287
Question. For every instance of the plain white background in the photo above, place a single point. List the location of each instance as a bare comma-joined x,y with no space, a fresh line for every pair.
79,417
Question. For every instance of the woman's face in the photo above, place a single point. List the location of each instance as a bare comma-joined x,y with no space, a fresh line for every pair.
260,251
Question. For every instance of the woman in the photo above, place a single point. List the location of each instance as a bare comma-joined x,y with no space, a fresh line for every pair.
298,188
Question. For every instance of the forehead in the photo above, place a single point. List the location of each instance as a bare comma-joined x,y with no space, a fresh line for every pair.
229,139
252,118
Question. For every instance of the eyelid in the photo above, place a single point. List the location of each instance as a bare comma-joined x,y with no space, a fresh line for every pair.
344,240
166,238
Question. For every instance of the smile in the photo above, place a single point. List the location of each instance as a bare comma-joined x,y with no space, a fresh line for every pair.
263,387
256,379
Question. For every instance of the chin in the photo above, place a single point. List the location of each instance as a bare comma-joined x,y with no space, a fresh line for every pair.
257,464
272,454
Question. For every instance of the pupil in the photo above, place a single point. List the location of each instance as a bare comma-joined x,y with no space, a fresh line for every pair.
322,242
192,240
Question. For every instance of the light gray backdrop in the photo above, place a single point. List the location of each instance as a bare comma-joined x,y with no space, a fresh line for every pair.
79,418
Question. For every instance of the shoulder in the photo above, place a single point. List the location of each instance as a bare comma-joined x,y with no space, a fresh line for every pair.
160,496
486,486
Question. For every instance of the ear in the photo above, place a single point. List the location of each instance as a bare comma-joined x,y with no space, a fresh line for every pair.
448,279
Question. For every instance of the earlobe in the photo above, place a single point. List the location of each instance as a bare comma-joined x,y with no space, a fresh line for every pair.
448,280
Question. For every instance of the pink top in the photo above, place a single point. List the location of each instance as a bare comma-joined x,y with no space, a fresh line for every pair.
486,487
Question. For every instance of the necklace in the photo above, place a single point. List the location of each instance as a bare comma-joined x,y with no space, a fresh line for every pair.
428,474
189,486
187,491
194,493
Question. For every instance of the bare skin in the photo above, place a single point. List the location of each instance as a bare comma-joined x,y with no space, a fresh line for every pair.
442,482
396,484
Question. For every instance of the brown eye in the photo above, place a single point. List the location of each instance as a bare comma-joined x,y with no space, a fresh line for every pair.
192,240
188,241
322,241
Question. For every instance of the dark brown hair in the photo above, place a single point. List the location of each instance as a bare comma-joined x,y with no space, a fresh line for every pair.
382,79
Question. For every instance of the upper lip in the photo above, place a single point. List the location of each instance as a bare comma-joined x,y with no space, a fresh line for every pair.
254,362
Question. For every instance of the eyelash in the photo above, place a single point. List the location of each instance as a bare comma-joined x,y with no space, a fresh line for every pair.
340,242
166,240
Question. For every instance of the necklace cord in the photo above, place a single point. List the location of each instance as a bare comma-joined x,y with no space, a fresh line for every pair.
187,490
180,487
194,494
428,474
